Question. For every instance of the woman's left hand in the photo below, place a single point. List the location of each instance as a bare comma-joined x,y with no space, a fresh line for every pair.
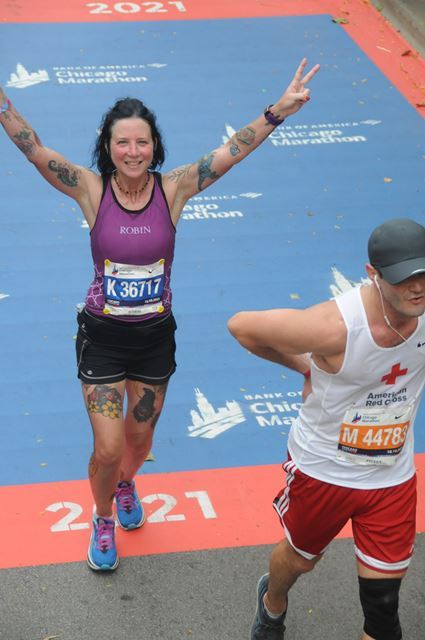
297,94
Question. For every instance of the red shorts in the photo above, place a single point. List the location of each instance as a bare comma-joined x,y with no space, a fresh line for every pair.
313,512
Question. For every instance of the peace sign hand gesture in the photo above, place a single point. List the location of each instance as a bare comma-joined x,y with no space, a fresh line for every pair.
296,95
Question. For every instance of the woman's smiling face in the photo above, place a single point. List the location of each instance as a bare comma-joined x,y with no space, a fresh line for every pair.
131,146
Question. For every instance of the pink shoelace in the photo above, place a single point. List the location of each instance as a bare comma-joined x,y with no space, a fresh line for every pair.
105,534
125,497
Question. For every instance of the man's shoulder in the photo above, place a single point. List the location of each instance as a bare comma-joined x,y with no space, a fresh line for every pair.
327,322
327,310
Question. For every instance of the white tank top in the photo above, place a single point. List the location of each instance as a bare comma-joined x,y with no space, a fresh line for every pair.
356,427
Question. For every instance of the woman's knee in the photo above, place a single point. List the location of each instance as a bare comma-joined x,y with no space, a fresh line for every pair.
141,441
107,454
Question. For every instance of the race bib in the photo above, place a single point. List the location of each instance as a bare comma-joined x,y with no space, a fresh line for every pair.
133,290
373,437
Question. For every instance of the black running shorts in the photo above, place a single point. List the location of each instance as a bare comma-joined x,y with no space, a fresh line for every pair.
112,350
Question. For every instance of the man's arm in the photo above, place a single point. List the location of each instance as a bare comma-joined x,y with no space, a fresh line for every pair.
289,336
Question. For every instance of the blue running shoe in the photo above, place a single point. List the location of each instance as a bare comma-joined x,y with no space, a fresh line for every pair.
130,513
102,554
264,627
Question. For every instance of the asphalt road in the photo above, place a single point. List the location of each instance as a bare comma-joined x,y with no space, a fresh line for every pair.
201,596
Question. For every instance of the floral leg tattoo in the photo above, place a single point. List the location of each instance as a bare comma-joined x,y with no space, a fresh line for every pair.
105,400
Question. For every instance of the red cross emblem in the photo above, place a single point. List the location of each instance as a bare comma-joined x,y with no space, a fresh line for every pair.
391,377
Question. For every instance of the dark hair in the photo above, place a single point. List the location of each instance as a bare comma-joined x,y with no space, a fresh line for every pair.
125,108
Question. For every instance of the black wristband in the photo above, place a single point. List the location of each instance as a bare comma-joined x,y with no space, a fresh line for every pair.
271,118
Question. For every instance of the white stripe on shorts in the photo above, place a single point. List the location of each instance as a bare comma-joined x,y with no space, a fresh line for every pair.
282,504
379,565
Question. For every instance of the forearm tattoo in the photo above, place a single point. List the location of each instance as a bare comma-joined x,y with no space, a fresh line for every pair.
144,410
245,135
234,148
67,175
177,174
105,400
26,138
204,170
24,141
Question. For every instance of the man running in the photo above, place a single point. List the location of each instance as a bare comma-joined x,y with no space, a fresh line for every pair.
350,452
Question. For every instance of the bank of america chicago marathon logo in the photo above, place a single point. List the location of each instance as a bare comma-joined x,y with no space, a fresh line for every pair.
218,207
82,74
313,134
206,207
269,409
273,409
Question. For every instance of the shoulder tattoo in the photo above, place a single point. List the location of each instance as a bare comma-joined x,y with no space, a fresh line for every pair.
177,174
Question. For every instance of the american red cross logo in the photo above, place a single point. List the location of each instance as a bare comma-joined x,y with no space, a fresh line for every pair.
391,377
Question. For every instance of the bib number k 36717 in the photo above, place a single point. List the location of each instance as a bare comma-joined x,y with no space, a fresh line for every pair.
133,290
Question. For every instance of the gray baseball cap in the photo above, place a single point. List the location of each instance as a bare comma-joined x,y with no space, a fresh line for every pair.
397,249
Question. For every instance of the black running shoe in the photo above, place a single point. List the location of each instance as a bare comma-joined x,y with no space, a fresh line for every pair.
264,627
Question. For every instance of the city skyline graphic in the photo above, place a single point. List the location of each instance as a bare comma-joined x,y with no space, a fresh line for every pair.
23,78
208,422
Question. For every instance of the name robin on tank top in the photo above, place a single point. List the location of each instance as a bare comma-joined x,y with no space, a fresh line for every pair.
135,231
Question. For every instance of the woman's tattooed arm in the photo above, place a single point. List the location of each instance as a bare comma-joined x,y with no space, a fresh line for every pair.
18,130
53,167
66,173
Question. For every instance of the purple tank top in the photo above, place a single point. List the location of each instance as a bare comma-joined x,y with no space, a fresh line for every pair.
132,255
